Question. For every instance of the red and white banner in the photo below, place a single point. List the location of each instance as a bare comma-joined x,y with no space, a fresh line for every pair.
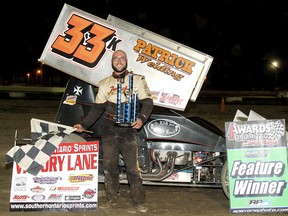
82,44
68,181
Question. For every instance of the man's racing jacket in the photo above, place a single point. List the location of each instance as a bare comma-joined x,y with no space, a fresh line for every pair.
106,98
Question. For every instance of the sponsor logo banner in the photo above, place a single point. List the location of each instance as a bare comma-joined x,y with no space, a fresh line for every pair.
67,182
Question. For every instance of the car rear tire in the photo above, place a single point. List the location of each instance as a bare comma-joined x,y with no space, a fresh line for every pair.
225,179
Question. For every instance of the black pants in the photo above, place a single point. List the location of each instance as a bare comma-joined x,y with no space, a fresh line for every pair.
122,140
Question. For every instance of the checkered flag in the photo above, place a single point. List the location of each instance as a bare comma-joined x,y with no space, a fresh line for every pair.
45,137
278,131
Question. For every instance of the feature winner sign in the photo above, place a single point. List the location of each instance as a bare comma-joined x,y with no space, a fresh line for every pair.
68,181
82,45
257,166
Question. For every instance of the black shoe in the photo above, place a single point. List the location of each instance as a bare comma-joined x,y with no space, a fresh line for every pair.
141,207
107,203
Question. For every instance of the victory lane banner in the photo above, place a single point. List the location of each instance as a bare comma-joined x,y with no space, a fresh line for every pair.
68,181
82,45
257,166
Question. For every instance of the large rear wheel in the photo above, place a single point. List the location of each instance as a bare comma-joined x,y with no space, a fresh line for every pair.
225,179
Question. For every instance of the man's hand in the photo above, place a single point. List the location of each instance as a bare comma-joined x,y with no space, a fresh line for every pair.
137,124
79,128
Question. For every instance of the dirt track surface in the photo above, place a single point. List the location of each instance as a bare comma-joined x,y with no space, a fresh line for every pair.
16,115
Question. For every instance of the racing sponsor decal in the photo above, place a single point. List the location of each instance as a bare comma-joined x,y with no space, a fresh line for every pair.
47,179
20,197
81,178
166,62
256,154
163,127
68,189
54,197
20,181
38,197
89,193
70,100
72,197
37,189
170,98
53,188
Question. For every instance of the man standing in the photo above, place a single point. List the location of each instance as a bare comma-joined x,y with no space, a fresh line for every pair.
117,139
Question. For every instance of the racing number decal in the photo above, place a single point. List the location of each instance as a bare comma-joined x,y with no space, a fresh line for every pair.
101,33
73,36
84,41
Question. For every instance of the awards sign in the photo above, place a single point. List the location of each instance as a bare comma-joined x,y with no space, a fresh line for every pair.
82,45
257,166
68,182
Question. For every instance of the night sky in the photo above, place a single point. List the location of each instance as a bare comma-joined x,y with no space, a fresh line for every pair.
243,36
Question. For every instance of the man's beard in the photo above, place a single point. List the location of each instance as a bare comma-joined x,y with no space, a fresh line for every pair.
119,70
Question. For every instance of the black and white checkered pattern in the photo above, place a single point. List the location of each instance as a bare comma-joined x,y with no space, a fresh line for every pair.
278,132
45,137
